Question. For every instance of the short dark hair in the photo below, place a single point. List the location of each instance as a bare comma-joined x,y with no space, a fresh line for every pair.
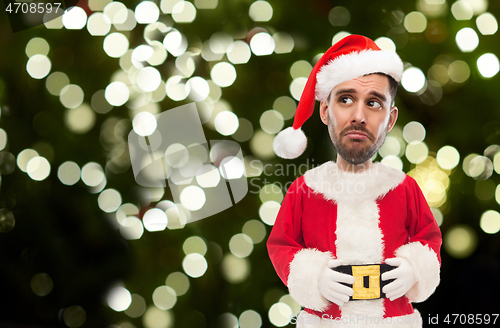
393,87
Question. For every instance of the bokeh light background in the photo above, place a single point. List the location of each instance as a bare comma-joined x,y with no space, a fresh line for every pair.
82,245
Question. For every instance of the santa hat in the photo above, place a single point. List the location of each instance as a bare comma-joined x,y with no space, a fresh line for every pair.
351,57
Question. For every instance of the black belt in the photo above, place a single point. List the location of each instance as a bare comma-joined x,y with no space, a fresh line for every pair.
367,282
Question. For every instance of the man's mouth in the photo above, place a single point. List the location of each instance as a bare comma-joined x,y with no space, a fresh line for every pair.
358,135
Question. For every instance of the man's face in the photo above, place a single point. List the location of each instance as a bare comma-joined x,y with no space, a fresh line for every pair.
359,115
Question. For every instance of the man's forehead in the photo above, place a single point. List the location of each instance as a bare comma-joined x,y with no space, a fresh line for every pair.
366,83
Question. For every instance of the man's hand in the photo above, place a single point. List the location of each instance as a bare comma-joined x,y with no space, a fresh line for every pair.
405,279
330,284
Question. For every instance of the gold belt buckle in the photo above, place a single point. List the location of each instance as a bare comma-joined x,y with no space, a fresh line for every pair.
367,283
361,274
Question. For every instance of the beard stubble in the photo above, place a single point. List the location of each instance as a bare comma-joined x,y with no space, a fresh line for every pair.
358,153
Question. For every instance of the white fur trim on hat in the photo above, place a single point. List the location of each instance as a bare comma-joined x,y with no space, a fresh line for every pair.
356,64
290,143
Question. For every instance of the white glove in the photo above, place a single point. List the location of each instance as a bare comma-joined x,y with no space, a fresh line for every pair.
330,284
405,279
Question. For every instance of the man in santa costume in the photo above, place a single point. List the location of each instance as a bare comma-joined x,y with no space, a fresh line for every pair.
355,242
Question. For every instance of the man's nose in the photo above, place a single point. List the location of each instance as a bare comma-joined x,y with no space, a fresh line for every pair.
358,115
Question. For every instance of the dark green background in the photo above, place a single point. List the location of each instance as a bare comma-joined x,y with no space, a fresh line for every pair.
60,230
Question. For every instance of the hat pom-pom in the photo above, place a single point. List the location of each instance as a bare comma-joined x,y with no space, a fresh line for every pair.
290,143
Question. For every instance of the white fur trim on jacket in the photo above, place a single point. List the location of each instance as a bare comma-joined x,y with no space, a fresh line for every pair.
356,64
349,187
303,279
307,320
290,143
425,265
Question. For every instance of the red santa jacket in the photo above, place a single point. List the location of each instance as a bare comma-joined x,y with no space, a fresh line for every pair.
360,218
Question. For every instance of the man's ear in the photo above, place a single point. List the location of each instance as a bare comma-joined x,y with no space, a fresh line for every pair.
323,112
393,116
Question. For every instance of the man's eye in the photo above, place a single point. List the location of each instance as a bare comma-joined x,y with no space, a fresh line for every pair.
346,100
374,104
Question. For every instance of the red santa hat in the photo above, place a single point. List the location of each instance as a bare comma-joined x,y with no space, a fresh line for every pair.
351,57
